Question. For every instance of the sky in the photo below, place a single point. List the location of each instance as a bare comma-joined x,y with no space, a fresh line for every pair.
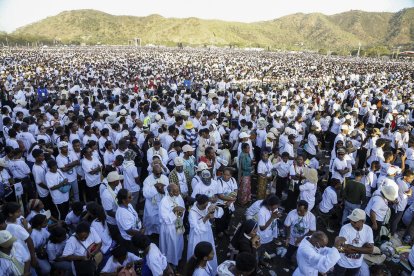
17,13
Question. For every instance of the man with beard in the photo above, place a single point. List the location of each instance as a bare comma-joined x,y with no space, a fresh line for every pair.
172,228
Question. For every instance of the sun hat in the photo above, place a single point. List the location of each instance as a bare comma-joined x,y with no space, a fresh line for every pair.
390,192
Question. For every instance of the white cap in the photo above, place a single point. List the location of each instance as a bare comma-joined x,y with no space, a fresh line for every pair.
201,167
390,192
344,127
357,215
114,176
243,135
157,117
187,148
6,239
178,162
62,144
123,112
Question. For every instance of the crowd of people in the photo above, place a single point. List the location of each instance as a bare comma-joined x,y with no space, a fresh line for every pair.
149,161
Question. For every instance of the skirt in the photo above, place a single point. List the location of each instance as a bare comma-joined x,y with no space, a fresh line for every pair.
244,191
261,187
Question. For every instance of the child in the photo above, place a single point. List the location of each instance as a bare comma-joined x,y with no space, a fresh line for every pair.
282,168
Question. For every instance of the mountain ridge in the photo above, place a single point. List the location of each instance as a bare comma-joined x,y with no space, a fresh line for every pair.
299,30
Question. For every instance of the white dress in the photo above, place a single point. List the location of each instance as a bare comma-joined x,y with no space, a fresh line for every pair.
171,242
201,231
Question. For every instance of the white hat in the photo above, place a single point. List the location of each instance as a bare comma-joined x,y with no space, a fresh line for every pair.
394,111
178,161
376,257
344,127
187,148
243,135
271,135
3,163
201,167
123,112
62,144
6,239
373,107
390,192
357,215
309,150
157,117
114,176
21,102
110,120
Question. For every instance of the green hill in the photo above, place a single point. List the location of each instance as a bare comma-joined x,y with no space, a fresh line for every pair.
302,31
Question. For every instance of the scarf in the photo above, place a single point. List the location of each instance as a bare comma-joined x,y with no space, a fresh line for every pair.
17,267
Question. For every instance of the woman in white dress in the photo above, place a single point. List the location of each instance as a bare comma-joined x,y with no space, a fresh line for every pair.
200,217
198,265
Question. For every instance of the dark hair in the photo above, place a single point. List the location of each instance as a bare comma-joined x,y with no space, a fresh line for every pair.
77,206
2,218
119,251
51,163
244,146
37,220
245,262
270,200
37,152
201,250
201,199
56,233
83,227
10,208
140,241
303,203
122,195
97,212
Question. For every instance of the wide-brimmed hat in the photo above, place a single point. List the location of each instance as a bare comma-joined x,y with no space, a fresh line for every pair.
390,192
350,147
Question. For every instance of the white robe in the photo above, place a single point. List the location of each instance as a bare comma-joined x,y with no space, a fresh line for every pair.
171,243
152,201
201,231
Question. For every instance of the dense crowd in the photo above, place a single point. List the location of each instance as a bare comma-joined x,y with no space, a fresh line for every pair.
146,161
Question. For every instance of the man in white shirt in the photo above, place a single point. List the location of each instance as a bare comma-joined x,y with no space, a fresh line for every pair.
377,207
13,258
108,192
359,241
131,177
299,223
329,201
67,162
314,257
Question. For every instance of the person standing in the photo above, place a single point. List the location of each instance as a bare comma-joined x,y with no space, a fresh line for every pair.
200,217
245,168
359,241
171,211
67,162
354,195
131,177
154,190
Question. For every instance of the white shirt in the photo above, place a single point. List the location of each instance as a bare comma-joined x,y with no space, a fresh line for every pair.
127,219
312,260
109,201
64,160
339,165
379,205
403,187
299,226
329,199
103,231
88,165
7,267
265,168
21,235
283,168
307,193
53,179
130,173
112,265
357,239
40,238
39,175
268,234
74,246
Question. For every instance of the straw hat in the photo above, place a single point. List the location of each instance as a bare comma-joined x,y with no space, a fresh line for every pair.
189,125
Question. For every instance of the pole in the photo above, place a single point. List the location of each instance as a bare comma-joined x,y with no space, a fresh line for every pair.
359,48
